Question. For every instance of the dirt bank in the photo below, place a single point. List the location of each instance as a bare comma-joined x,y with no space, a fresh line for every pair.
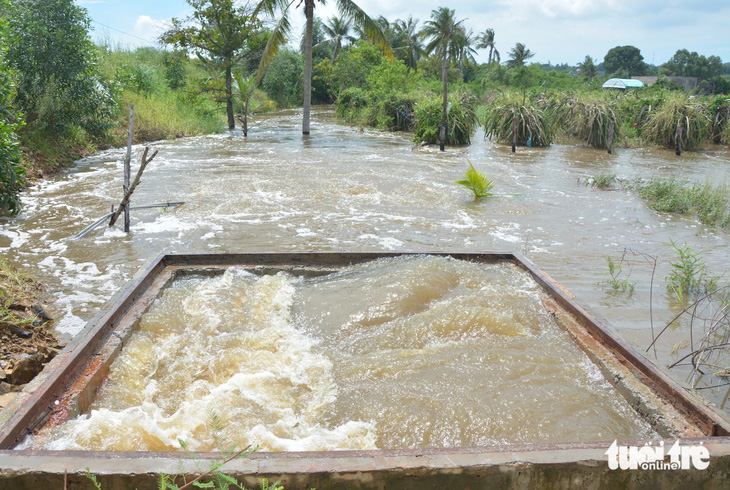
27,342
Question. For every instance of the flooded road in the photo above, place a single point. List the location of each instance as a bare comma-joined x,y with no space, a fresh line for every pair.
346,189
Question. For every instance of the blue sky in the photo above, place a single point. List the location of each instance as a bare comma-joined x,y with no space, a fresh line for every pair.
559,31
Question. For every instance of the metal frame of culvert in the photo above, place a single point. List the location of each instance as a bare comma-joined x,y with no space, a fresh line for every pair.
68,385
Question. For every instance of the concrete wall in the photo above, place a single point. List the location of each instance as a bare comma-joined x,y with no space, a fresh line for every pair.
555,466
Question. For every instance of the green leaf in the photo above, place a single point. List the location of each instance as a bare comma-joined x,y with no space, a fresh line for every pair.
227,478
209,484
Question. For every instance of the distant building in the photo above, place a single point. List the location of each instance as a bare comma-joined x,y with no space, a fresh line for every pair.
622,83
687,83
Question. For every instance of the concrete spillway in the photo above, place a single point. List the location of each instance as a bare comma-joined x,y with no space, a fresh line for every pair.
74,384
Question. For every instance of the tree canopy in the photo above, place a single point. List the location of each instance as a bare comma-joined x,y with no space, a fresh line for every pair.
686,64
588,68
221,34
624,62
11,170
55,64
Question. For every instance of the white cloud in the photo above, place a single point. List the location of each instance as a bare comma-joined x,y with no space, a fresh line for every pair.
145,27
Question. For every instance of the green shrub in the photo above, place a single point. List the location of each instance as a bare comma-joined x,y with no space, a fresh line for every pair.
679,115
12,171
55,64
460,120
283,78
595,122
531,123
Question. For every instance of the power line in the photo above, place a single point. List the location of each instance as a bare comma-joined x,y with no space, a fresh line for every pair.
125,33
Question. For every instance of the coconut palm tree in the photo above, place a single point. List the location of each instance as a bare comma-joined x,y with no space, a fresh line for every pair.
518,55
486,40
411,48
465,43
338,30
279,35
443,31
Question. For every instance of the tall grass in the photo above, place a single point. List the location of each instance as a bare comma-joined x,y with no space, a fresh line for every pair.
719,110
515,119
166,115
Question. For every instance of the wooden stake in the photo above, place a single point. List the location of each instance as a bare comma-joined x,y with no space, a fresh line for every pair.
609,143
678,139
125,201
514,134
128,167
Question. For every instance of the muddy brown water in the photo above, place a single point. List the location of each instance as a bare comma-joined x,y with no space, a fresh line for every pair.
398,353
348,189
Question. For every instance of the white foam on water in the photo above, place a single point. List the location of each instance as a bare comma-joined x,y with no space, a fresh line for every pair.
18,238
385,241
233,351
164,223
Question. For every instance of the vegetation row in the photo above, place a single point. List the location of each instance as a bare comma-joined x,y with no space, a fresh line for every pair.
62,96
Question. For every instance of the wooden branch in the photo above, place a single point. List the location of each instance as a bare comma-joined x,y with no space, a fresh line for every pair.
125,200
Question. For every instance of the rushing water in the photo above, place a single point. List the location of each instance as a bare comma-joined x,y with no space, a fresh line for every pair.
398,353
347,189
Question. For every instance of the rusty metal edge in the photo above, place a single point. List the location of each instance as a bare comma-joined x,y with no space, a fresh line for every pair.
74,355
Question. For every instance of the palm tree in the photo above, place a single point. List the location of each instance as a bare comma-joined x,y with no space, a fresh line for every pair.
465,42
444,32
338,30
411,48
278,37
486,40
518,55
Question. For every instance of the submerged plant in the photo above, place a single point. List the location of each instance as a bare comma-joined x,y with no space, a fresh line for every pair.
595,122
679,123
460,120
720,119
602,181
710,203
616,282
477,182
517,121
689,274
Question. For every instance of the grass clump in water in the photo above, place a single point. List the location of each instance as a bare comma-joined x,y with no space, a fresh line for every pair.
603,181
710,204
460,120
